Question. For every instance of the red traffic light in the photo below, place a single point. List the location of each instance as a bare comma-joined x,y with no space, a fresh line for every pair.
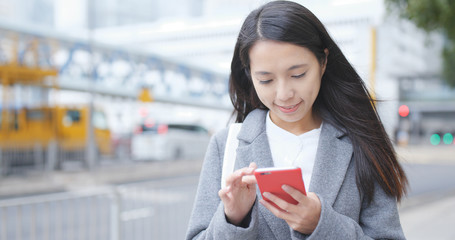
403,110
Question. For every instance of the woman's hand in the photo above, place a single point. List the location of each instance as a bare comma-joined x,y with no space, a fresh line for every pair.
239,194
302,217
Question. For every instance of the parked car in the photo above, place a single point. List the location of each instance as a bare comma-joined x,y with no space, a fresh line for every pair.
121,143
154,141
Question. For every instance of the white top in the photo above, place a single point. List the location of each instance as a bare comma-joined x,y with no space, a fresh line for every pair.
289,150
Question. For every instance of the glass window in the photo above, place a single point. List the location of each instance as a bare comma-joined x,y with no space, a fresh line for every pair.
35,115
71,117
99,120
74,115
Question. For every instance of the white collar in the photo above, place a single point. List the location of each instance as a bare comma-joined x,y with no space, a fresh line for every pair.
281,134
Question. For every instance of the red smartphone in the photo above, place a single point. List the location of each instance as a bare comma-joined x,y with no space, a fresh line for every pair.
271,180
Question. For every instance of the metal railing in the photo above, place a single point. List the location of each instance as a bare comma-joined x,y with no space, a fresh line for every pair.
16,159
59,216
151,210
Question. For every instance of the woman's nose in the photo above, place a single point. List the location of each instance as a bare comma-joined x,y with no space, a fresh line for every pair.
284,91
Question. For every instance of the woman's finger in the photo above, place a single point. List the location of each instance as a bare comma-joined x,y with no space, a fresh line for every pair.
223,193
253,165
249,179
235,176
284,205
296,194
238,174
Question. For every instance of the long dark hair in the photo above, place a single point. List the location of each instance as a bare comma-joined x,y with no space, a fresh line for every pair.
343,99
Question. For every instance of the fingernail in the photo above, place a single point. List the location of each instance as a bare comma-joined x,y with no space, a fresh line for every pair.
285,187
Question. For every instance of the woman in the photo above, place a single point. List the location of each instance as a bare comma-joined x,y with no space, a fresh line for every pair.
301,104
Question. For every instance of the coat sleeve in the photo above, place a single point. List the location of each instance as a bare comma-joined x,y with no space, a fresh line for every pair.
378,220
208,220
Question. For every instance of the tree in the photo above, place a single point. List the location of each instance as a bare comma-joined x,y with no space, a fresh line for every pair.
433,15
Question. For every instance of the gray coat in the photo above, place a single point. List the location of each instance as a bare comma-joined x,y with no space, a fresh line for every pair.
344,215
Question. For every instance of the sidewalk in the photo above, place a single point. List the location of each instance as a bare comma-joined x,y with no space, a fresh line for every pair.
442,154
113,173
429,218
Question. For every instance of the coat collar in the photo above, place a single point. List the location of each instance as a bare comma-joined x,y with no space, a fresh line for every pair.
332,160
253,125
253,143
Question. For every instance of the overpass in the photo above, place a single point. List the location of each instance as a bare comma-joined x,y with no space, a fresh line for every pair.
87,66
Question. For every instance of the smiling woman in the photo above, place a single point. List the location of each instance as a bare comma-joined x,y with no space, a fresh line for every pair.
287,79
301,104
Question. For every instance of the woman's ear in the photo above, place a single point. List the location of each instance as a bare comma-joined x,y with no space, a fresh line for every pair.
324,64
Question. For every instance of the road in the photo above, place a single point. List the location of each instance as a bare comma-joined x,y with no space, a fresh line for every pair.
427,179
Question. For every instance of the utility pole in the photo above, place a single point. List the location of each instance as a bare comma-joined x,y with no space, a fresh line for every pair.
90,143
373,63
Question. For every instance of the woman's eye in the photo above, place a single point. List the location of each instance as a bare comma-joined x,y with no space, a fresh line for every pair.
299,76
265,81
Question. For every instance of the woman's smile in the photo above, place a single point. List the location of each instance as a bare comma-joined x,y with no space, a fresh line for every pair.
289,108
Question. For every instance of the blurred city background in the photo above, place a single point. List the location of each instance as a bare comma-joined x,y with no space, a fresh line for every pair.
107,107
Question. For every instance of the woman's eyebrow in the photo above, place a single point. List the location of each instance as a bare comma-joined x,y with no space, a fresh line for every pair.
297,66
262,73
289,69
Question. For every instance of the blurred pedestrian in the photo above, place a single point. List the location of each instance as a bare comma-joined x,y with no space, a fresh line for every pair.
301,104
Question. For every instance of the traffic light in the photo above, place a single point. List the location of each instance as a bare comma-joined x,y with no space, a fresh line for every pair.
403,110
435,139
448,138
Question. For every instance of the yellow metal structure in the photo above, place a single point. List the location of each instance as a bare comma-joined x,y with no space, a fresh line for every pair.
26,128
66,125
145,95
13,74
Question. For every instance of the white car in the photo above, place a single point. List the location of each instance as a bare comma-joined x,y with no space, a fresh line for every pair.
169,142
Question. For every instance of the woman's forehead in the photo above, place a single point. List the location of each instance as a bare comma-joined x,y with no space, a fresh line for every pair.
274,53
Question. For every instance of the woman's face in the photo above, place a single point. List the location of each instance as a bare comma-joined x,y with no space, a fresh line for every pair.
287,79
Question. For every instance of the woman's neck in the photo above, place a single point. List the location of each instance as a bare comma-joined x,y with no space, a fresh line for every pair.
299,127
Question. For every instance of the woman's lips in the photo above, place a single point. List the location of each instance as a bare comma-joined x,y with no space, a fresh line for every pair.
289,109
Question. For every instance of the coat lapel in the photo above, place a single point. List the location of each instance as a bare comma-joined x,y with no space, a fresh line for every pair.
253,143
257,151
332,161
254,147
